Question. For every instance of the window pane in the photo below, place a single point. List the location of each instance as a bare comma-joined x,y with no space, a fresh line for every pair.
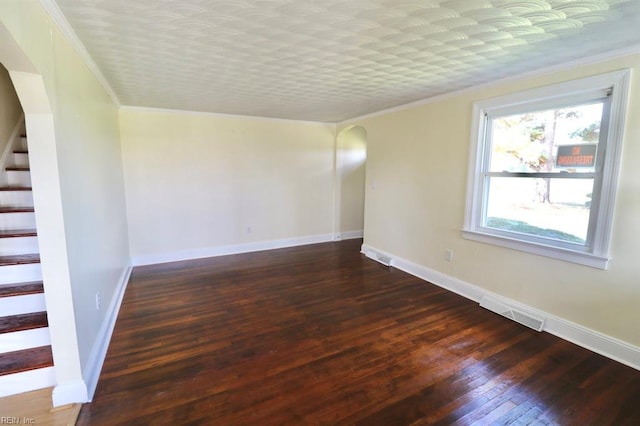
554,140
514,204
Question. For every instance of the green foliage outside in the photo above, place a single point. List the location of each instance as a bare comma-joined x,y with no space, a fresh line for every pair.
588,134
525,228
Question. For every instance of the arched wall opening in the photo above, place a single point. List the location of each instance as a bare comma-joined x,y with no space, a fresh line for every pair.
351,158
39,120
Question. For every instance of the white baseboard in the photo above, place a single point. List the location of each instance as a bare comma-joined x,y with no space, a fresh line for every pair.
151,259
69,393
93,368
349,235
595,341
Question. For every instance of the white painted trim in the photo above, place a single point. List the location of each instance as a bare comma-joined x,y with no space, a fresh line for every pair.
9,148
21,273
151,259
222,115
350,235
25,339
591,60
577,257
594,254
27,381
595,341
69,393
22,304
69,33
98,354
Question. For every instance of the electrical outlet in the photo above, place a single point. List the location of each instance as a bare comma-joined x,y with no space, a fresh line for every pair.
449,255
97,301
249,229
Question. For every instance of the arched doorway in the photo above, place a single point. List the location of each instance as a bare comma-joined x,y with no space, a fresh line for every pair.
30,88
351,157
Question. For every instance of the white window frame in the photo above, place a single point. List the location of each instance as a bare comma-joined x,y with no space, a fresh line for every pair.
596,252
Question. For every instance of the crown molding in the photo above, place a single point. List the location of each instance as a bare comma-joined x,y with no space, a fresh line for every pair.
224,115
52,8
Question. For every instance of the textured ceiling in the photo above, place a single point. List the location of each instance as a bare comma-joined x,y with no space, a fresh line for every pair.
329,60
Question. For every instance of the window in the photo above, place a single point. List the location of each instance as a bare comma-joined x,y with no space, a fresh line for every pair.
544,167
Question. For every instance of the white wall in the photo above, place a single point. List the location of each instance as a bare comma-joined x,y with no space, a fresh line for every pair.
416,185
204,184
78,189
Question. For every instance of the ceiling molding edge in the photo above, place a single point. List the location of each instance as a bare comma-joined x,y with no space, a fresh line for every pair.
52,8
627,51
223,115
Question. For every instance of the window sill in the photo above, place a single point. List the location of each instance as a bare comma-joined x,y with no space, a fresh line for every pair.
581,258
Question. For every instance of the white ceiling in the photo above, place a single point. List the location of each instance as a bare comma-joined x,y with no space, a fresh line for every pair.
330,60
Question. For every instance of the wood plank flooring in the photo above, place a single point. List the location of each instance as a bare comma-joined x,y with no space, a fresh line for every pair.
35,408
322,335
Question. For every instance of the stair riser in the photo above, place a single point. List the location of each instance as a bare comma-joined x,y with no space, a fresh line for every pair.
21,160
20,273
21,145
18,305
27,339
18,245
18,178
16,198
13,384
17,221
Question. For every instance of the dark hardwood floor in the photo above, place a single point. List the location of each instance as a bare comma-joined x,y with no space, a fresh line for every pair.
322,335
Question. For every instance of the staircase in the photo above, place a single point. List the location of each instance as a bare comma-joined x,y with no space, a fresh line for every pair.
26,362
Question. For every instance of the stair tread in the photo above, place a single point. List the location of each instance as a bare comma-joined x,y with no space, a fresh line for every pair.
15,188
16,233
23,322
19,259
24,209
25,360
21,289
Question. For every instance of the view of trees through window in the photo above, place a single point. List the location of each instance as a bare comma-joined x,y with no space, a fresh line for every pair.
542,171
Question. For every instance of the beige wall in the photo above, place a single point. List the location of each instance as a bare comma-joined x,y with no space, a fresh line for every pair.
196,182
78,187
10,109
416,185
351,156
